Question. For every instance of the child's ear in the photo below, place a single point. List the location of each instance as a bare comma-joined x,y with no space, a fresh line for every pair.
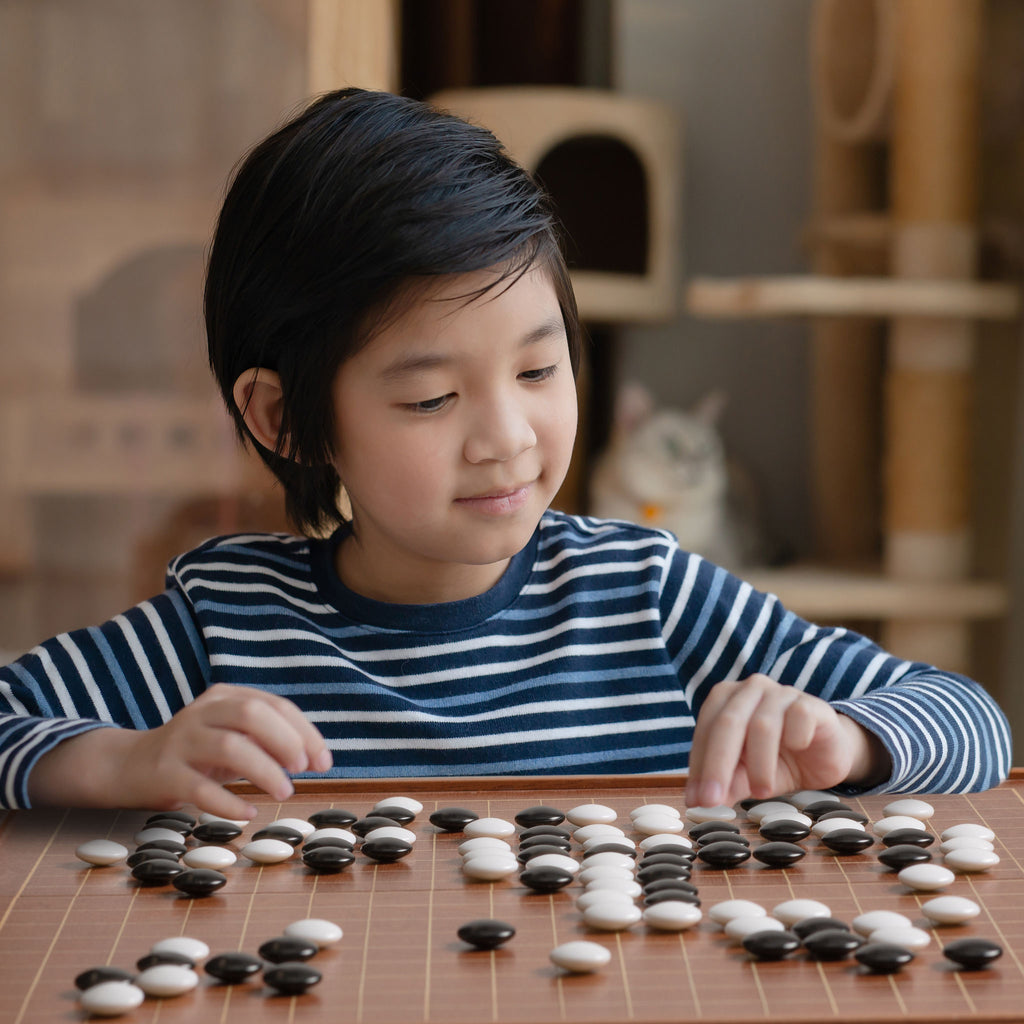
260,400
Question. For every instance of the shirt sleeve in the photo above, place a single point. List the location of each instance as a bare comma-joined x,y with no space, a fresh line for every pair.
943,732
134,671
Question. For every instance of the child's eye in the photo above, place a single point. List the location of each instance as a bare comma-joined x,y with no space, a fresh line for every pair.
430,405
544,373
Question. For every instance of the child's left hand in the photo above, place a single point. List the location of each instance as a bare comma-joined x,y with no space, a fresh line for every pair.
760,738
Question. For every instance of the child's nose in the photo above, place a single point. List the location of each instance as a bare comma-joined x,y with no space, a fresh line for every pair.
500,431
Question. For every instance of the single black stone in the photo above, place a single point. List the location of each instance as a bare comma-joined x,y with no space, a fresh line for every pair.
545,877
721,836
320,841
883,957
832,943
701,829
452,819
526,854
369,823
908,837
847,840
386,849
680,859
545,840
486,933
610,847
724,854
167,957
216,832
174,824
674,895
676,848
898,857
539,815
779,855
292,979
660,884
283,833
328,860
972,953
167,845
783,830
810,925
158,871
769,945
750,801
98,975
398,814
819,807
233,968
198,881
140,855
545,830
654,872
286,948
182,816
844,812
332,817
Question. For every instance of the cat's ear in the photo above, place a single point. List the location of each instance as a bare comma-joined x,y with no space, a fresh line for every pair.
710,408
633,405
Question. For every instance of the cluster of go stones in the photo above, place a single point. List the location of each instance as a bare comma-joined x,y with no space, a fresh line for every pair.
648,880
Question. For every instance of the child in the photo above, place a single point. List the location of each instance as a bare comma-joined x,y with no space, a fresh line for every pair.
387,309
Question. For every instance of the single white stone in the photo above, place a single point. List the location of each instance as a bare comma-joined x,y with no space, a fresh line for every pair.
740,927
701,814
657,809
758,811
333,832
590,874
317,930
268,851
111,998
560,860
965,843
671,916
909,937
410,803
888,824
215,857
593,841
605,859
968,829
580,956
791,815
822,828
920,809
490,865
653,824
101,852
590,897
926,877
950,909
806,797
722,913
149,835
629,886
791,911
166,980
471,846
598,831
185,945
301,825
612,917
971,860
494,828
666,839
592,814
206,817
391,832
872,920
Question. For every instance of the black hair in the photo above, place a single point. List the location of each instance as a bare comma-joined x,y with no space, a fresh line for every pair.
324,227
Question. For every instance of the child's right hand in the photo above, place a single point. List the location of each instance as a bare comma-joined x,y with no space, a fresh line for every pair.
227,733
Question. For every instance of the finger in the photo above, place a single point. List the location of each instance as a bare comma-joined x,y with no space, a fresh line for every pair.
716,698
230,754
213,798
765,737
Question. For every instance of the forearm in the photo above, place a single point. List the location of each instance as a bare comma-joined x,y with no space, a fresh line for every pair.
81,771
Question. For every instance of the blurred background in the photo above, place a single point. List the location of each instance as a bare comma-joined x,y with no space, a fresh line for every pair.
810,209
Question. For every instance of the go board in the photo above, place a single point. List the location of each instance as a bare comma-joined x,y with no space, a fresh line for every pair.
400,961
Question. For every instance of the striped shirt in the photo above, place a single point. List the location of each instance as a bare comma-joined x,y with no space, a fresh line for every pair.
592,654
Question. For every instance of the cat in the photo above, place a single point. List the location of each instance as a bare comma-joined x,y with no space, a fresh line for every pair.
668,468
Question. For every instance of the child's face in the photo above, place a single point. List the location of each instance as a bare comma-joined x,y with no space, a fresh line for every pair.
455,427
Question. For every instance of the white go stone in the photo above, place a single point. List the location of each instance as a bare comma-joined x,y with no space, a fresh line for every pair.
561,860
185,945
481,843
791,911
333,832
665,839
885,825
655,809
950,909
722,913
653,824
580,957
806,797
303,827
268,851
391,832
629,886
410,803
490,865
740,927
926,877
215,857
671,916
111,998
317,930
920,809
757,812
822,828
206,817
598,831
791,815
968,829
871,921
965,843
971,860
701,814
590,897
608,858
149,835
591,814
166,980
612,917
492,828
590,874
593,841
102,852
908,937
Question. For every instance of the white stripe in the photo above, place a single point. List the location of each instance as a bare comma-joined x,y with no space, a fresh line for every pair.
252,588
604,569
723,638
254,569
580,554
682,598
67,704
169,653
86,677
144,667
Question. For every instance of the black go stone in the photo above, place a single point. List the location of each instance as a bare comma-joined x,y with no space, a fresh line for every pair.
654,872
544,830
721,836
98,975
233,968
675,848
292,979
173,824
883,957
898,857
167,957
539,815
198,882
832,943
369,823
672,895
769,945
610,847
545,840
748,802
332,817
779,855
452,819
723,854
844,812
704,827
527,853
486,933
182,816
820,807
167,845
399,815
810,925
974,953
216,832
286,948
660,884
140,855
283,833
545,877
680,859
783,830
908,837
386,849
327,860
321,841
158,871
847,841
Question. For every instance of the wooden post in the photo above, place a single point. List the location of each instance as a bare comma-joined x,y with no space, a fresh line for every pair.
353,43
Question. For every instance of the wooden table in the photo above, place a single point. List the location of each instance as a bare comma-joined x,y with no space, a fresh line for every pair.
400,961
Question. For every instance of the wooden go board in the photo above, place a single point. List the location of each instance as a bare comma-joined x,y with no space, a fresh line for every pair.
400,961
